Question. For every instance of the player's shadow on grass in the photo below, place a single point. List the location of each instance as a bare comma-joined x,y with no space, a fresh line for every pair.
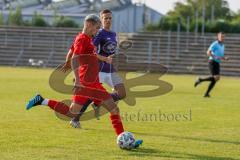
203,139
144,152
191,138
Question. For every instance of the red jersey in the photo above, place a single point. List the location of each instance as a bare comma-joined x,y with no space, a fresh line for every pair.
88,71
89,67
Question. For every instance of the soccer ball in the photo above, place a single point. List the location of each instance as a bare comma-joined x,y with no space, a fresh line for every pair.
125,140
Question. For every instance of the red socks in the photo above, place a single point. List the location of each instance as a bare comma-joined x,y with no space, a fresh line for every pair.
117,123
59,107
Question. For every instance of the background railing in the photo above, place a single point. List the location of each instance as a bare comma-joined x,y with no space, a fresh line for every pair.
181,53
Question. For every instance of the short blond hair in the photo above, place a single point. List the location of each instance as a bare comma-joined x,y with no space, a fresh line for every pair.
92,18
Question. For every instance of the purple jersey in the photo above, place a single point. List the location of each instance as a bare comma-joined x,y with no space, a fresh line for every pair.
106,43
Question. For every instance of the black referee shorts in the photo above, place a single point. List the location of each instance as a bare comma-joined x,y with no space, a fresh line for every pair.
214,67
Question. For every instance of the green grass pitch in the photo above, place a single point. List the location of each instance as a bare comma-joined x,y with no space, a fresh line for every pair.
207,129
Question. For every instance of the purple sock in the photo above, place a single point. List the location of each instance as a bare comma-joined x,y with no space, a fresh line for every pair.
115,97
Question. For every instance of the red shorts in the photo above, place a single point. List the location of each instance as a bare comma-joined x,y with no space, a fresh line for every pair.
95,92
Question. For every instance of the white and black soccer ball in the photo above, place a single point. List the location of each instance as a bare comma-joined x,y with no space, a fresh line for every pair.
125,140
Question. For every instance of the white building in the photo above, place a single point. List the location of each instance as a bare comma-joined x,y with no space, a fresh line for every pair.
127,17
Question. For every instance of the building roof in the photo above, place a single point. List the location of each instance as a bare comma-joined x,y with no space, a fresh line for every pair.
63,6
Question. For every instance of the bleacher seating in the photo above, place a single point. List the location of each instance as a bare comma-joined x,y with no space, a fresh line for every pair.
181,53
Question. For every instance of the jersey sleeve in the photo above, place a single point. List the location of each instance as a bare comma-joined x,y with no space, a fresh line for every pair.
212,47
79,47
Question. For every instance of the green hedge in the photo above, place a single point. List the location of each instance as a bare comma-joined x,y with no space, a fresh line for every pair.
15,19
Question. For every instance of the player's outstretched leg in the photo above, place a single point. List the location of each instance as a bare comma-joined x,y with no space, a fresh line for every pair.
200,80
197,82
58,107
35,101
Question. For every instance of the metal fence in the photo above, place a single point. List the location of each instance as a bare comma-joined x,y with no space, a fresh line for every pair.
180,52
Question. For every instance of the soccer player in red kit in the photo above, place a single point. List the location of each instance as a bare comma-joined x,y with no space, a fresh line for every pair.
86,86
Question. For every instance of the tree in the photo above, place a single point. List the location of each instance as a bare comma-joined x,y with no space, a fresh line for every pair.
214,10
1,19
219,9
38,20
236,22
61,21
15,18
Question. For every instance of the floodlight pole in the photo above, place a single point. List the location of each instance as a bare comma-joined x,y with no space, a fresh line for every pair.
196,20
188,30
212,13
203,16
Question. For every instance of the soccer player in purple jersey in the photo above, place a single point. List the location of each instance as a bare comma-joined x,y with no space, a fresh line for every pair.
106,42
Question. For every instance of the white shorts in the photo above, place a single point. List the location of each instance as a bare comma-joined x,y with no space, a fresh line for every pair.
111,79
